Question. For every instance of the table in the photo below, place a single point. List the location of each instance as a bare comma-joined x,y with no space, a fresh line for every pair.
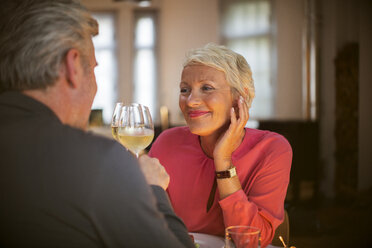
211,241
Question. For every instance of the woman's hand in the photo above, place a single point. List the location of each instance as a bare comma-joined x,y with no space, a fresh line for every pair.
232,138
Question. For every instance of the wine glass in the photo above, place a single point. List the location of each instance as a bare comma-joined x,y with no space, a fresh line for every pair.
135,130
242,237
115,120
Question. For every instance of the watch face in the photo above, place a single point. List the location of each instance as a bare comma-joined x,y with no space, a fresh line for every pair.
232,172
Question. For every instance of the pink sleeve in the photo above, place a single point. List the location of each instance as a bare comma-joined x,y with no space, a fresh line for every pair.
262,204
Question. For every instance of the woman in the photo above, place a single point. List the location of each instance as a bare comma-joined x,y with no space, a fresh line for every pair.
250,168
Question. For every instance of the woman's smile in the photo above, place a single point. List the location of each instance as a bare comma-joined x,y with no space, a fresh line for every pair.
197,113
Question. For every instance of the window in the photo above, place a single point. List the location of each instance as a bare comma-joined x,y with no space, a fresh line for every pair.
145,69
246,29
106,72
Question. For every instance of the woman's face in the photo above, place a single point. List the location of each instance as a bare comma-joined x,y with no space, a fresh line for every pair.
205,99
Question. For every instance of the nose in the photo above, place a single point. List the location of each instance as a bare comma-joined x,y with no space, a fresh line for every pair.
193,99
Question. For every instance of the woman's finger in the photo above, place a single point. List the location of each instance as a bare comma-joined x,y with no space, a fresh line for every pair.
242,112
233,116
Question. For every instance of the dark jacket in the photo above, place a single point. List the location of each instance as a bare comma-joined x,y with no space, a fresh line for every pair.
63,187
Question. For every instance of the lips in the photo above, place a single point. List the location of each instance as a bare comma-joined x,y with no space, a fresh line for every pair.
197,113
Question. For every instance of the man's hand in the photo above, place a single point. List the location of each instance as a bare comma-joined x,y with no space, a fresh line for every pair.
154,172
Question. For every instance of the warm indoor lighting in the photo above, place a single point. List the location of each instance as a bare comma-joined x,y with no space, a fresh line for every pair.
141,3
144,3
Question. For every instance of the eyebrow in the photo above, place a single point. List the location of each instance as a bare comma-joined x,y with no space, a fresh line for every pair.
201,81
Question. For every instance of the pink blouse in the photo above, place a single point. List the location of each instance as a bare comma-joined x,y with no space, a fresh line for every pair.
262,161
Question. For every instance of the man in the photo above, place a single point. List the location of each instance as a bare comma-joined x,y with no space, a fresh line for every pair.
59,185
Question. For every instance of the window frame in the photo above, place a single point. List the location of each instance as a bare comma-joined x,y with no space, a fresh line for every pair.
271,37
137,14
114,49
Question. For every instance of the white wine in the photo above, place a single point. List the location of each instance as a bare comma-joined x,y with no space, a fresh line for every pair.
114,131
135,139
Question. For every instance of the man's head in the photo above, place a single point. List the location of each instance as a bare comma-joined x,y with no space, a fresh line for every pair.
46,47
35,36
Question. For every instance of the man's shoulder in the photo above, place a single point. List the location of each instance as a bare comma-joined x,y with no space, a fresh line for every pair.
83,138
89,146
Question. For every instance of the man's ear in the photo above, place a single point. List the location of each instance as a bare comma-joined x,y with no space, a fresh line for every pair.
73,67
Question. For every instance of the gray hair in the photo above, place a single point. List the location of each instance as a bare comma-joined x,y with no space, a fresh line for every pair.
237,71
35,36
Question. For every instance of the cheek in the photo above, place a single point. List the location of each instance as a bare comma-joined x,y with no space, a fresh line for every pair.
221,108
182,102
95,89
217,102
93,84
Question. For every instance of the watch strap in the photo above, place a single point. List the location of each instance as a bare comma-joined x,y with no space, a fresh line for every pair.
226,174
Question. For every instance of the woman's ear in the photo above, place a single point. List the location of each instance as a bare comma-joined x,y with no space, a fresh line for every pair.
235,102
235,96
235,105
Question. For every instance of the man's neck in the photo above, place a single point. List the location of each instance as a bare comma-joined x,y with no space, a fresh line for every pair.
53,100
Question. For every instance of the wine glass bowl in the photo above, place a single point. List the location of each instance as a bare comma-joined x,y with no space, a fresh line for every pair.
115,119
135,128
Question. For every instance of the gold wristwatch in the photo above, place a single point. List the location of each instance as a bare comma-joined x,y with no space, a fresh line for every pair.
226,174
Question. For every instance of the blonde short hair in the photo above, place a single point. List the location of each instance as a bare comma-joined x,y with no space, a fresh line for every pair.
35,36
237,71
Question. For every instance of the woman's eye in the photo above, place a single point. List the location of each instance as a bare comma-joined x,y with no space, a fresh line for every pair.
184,90
207,88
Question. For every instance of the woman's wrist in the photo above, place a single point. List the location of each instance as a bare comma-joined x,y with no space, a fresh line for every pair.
222,164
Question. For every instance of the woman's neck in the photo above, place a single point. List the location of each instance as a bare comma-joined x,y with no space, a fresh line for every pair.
208,142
